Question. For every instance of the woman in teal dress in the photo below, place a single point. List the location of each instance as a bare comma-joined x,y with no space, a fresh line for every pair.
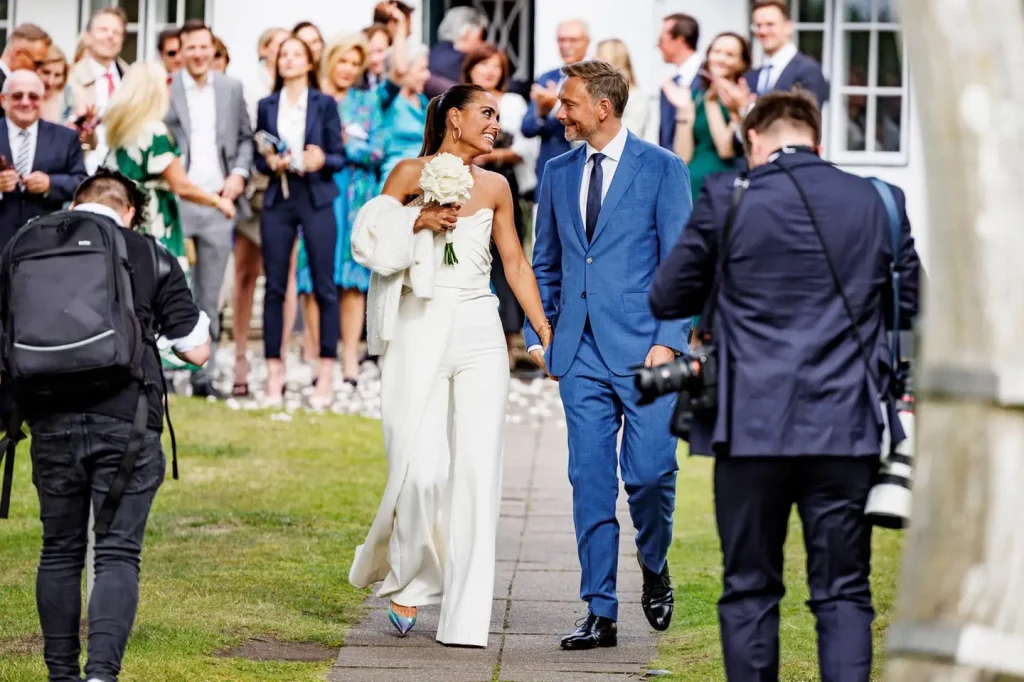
705,127
361,115
405,107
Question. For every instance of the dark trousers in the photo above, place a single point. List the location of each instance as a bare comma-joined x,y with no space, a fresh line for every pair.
279,227
74,460
753,500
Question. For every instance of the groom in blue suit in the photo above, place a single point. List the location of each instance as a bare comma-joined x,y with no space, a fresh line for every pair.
609,212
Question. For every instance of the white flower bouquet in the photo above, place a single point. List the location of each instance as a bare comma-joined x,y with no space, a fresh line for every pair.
446,180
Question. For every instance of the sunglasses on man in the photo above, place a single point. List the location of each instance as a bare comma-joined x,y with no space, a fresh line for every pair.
30,96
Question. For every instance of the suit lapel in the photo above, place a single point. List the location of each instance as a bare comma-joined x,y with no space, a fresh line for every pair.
625,174
273,105
221,108
311,118
44,142
575,180
788,76
5,141
179,102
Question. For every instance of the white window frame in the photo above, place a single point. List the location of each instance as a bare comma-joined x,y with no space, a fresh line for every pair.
872,90
826,29
8,22
146,28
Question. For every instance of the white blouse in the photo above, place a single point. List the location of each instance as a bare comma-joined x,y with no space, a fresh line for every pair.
291,123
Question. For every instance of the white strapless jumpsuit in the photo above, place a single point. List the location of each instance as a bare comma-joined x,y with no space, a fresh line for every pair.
444,395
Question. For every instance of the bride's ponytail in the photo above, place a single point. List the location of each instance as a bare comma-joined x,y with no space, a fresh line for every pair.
455,97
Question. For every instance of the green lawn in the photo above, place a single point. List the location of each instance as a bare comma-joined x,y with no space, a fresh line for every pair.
255,539
691,649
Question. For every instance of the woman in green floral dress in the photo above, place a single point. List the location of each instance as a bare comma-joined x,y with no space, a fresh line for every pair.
142,148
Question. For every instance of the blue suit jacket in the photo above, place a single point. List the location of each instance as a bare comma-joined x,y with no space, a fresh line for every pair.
802,71
793,380
323,129
608,280
59,155
549,130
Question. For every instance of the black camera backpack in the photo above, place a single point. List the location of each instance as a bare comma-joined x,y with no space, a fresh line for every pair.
68,326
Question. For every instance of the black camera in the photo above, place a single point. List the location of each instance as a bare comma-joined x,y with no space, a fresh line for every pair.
694,377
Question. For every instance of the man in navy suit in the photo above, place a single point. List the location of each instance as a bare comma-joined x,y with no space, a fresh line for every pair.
798,420
677,41
541,118
784,66
609,213
45,160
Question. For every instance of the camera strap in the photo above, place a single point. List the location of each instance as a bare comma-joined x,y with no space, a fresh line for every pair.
839,284
896,233
705,331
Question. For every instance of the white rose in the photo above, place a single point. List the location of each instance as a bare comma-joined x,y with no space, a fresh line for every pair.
446,180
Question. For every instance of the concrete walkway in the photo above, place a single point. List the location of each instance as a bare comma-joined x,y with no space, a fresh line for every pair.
536,596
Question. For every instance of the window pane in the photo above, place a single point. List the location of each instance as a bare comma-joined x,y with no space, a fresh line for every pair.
3,38
811,11
130,52
195,9
856,48
5,10
857,11
131,7
812,43
97,5
167,12
887,12
888,123
890,59
856,122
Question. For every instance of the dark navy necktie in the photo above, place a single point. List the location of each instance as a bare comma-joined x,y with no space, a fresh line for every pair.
594,194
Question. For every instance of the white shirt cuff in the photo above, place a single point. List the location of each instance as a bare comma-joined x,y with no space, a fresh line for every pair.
533,348
244,172
199,335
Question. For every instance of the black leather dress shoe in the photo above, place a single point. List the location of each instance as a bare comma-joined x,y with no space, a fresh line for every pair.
206,390
596,631
658,599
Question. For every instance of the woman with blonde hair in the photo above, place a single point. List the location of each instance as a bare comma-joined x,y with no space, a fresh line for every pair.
615,52
341,71
142,148
58,103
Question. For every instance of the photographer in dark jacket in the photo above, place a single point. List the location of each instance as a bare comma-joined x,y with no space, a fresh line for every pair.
798,419
77,448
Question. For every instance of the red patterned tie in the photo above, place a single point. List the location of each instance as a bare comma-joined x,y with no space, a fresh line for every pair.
110,83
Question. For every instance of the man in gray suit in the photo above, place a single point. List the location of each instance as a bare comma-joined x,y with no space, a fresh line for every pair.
210,122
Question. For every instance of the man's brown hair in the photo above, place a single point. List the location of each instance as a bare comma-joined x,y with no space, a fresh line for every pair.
796,108
30,33
195,26
603,80
112,11
381,16
686,27
780,5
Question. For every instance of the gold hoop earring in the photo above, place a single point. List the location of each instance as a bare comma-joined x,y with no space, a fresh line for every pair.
457,135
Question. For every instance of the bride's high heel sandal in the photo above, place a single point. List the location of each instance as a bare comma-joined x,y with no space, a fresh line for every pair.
402,623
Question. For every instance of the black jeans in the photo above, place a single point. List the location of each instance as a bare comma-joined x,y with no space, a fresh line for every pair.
753,500
74,460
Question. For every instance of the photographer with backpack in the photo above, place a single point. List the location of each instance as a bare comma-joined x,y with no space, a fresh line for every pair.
83,299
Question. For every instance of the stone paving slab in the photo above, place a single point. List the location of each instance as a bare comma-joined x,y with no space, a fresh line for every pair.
536,598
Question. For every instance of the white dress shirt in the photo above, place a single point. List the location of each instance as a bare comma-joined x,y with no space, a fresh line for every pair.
773,66
688,70
5,69
204,168
15,138
613,154
101,97
291,123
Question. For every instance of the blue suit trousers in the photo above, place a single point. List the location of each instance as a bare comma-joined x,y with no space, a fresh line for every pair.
597,404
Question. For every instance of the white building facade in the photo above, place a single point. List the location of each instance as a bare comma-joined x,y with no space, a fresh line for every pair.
871,120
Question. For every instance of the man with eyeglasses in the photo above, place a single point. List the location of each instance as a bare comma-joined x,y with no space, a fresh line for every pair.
42,162
26,49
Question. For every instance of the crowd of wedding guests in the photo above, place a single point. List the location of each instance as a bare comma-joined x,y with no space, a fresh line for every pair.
342,111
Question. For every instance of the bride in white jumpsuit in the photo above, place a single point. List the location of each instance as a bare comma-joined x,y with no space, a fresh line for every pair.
445,376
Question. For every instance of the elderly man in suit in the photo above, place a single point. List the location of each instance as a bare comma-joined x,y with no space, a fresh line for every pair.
209,120
541,116
609,212
801,337
43,161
